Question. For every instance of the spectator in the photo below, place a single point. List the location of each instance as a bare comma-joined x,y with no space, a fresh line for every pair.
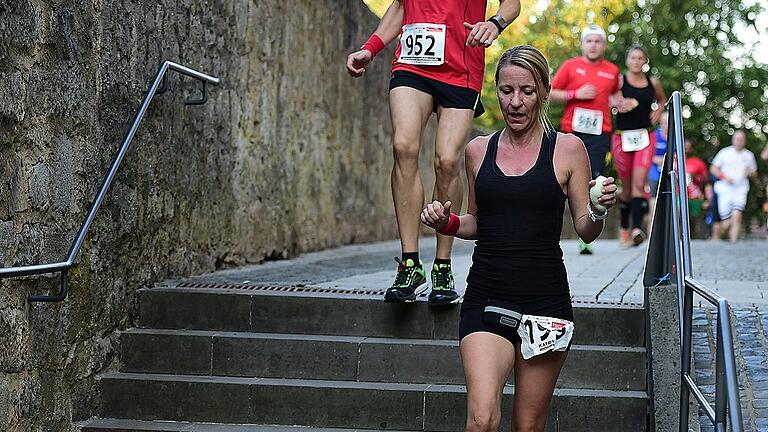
733,165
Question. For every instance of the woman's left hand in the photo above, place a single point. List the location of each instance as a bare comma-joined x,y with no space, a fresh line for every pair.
608,197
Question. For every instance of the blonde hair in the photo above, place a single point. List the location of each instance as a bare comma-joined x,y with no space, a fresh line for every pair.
532,60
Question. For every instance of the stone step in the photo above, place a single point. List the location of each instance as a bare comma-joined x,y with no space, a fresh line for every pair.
350,358
123,425
299,313
343,404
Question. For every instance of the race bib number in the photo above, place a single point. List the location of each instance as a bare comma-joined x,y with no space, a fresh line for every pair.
587,121
423,44
543,334
634,140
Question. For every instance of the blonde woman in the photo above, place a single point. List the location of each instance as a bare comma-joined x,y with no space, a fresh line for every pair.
519,180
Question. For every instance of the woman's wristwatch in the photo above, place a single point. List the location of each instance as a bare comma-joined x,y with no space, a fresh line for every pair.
595,217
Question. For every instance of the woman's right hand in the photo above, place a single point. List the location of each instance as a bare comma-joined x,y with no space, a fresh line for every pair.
436,215
358,61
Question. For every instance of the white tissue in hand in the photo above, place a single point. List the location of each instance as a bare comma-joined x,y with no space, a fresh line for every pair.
596,192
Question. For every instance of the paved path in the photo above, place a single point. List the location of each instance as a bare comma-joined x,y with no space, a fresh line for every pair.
738,271
611,275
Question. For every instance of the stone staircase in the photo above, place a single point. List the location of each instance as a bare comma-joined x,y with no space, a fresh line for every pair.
262,359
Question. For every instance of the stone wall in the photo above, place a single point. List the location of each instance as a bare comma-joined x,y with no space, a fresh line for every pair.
288,155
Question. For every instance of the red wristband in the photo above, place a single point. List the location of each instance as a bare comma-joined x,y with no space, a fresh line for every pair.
374,44
570,94
453,226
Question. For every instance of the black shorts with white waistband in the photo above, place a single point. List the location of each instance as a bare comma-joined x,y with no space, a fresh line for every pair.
444,95
553,306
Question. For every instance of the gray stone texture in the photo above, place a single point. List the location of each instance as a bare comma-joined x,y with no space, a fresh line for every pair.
288,155
664,346
347,358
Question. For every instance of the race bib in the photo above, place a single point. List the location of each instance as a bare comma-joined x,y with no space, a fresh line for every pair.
634,140
587,121
543,334
423,44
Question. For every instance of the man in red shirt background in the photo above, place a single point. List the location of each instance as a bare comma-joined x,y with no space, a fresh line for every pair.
587,85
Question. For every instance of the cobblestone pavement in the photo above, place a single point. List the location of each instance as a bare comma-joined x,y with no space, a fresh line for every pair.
738,271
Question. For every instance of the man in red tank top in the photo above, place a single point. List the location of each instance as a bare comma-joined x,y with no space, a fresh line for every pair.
438,67
589,87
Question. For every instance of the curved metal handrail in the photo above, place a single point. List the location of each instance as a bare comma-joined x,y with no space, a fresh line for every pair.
158,87
669,253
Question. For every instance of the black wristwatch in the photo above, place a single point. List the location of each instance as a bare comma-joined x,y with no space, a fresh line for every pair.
499,22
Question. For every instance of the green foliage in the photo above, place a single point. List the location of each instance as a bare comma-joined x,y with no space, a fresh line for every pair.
699,53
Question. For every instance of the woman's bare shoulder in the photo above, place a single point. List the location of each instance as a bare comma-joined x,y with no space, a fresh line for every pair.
569,143
477,145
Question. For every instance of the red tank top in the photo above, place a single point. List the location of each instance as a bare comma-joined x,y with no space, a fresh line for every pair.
463,66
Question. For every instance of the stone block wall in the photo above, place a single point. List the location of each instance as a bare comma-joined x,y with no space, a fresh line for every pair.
288,155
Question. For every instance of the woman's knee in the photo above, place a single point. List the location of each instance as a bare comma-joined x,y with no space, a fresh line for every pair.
483,420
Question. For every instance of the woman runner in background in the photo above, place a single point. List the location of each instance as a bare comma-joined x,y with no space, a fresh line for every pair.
634,142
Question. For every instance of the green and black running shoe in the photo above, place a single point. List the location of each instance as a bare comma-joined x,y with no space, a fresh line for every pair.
585,248
443,291
409,277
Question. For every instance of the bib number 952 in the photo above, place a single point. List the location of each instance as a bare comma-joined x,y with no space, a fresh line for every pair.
422,44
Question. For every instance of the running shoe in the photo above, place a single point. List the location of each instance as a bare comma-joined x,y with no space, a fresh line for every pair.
409,277
443,291
584,248
638,236
624,241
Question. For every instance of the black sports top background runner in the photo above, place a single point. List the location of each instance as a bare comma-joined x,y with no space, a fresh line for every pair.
638,118
519,222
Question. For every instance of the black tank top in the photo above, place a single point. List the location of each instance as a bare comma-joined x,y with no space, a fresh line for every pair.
519,222
638,118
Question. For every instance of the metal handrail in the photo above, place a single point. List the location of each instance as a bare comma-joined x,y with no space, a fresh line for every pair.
158,87
669,253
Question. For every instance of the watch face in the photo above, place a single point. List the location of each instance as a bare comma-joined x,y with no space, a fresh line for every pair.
501,20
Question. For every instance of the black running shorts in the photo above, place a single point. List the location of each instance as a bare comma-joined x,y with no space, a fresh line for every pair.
554,306
597,147
444,95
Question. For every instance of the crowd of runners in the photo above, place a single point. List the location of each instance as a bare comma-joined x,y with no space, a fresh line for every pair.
516,314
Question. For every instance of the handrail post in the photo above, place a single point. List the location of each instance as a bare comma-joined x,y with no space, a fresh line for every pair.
62,294
686,317
676,268
729,365
720,393
679,145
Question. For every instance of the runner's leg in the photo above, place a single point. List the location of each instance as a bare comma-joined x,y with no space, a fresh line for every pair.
733,233
623,163
487,359
410,109
535,380
452,127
